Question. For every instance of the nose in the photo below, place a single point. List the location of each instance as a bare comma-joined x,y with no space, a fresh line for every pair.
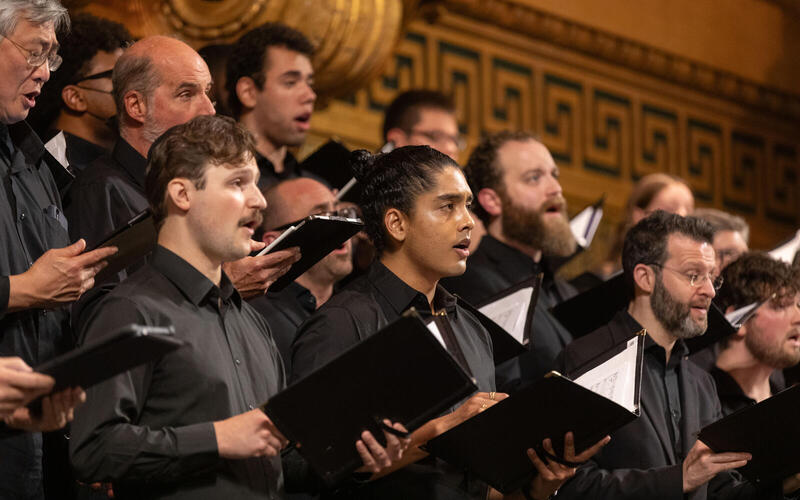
42,72
553,186
707,288
450,148
310,95
206,106
258,201
467,222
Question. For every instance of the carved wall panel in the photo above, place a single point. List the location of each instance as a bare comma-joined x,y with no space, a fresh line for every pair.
606,124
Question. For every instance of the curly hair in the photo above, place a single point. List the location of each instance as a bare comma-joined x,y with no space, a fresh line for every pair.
394,180
248,56
187,150
755,276
89,35
482,170
646,242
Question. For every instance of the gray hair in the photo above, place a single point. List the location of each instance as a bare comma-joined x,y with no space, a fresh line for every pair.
723,221
37,12
137,73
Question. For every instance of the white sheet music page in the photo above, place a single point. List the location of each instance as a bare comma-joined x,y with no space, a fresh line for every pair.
787,251
436,333
511,312
616,378
585,224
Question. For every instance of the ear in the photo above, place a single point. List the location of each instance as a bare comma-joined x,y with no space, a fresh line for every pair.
179,193
247,92
396,224
645,278
270,236
397,136
74,99
135,106
490,201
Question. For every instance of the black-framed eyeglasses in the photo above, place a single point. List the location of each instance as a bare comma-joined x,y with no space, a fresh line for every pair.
36,59
437,136
94,76
695,280
346,212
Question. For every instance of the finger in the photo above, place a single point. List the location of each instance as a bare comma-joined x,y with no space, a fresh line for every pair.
592,450
30,381
722,458
376,449
256,245
366,457
275,432
15,363
499,396
91,258
541,467
74,249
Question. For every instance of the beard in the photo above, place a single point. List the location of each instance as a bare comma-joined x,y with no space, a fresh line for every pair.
674,315
769,354
552,236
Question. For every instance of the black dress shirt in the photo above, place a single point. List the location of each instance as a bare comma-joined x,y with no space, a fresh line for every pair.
31,222
731,395
495,267
107,194
269,177
644,459
365,306
285,311
150,431
81,153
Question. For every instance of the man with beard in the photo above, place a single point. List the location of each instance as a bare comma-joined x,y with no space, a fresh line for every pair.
158,82
519,201
669,268
270,85
769,340
290,201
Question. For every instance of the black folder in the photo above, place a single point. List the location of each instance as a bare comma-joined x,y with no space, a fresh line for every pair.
505,346
331,163
768,430
401,373
134,241
493,444
95,362
592,309
317,236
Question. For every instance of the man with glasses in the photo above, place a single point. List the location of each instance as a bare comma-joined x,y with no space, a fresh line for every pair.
290,201
669,269
423,118
38,276
769,341
77,99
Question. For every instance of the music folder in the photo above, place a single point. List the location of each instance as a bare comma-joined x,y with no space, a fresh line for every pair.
317,236
134,240
767,430
585,224
602,396
788,250
508,317
588,311
401,373
96,361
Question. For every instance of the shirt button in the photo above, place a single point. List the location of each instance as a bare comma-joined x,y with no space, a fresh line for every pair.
22,215
251,407
238,362
675,413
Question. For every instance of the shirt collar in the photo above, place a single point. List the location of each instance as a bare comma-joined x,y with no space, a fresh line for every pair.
401,296
266,167
296,292
193,284
27,142
132,162
517,263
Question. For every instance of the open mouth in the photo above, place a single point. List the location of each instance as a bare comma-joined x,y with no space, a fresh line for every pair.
462,247
303,121
30,97
251,224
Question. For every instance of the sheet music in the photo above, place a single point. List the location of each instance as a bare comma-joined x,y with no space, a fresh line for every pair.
585,224
511,312
57,146
616,378
436,333
787,251
739,316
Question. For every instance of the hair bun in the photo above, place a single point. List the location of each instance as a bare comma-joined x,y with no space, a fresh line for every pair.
361,161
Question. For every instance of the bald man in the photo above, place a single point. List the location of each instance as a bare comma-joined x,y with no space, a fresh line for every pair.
287,202
158,82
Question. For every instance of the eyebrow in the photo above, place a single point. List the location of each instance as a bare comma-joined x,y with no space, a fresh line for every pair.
187,86
295,73
454,197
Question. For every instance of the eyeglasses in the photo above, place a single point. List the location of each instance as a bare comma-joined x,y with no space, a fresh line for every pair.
696,280
94,76
36,59
437,136
347,212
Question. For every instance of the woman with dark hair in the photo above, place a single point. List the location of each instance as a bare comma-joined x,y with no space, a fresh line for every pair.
415,204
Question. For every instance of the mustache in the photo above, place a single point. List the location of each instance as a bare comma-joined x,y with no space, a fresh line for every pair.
256,219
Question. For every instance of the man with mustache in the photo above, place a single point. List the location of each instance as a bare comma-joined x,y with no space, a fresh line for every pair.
767,342
189,426
669,271
270,85
519,200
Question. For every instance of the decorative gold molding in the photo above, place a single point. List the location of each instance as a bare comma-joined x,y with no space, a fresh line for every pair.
615,49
